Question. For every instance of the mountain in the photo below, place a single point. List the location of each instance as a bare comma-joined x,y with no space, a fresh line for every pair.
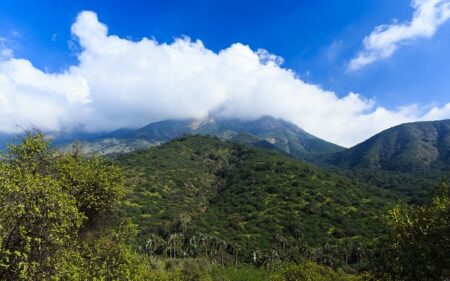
58,138
412,147
244,195
4,140
268,132
410,159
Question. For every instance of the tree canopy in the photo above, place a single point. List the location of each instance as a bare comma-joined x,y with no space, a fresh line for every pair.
417,245
60,215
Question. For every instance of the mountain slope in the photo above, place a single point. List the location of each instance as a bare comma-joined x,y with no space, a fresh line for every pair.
410,159
263,132
414,147
244,195
4,140
62,137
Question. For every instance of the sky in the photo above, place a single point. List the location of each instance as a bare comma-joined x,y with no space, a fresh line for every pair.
341,70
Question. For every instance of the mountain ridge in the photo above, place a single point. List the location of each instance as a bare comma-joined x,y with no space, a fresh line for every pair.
266,131
410,147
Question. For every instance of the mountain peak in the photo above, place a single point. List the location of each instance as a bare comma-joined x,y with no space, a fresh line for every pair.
265,131
408,147
198,123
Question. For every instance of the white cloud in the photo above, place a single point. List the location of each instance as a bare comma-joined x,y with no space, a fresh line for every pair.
122,83
386,39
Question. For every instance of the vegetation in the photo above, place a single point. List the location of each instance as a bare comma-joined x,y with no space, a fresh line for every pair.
202,269
417,246
412,188
201,209
408,159
261,206
60,215
412,148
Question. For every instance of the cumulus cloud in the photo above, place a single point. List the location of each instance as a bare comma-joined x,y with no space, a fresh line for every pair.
122,83
386,39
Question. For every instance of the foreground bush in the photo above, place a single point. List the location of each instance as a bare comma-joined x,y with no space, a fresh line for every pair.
60,218
417,246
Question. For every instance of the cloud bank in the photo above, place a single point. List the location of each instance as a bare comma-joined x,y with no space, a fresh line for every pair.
386,39
121,83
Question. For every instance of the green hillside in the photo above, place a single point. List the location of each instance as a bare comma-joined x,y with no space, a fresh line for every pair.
245,195
409,158
420,147
207,210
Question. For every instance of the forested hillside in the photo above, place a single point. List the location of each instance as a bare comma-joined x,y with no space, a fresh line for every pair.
421,147
245,196
204,209
409,159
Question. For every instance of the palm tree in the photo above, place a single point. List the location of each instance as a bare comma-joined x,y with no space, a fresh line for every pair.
175,242
154,242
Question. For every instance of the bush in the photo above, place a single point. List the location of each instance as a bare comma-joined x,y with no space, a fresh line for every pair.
417,246
310,271
60,218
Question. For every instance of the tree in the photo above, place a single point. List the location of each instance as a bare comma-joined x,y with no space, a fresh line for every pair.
417,246
37,221
153,244
58,210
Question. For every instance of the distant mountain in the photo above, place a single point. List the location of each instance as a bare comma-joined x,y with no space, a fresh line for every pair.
267,132
245,195
4,140
63,137
420,147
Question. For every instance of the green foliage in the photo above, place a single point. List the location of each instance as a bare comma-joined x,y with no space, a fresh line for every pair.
309,271
59,216
242,273
104,258
412,148
244,196
409,158
218,211
413,188
201,269
37,220
418,243
96,185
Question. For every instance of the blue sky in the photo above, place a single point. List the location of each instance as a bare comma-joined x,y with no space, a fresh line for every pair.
316,39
